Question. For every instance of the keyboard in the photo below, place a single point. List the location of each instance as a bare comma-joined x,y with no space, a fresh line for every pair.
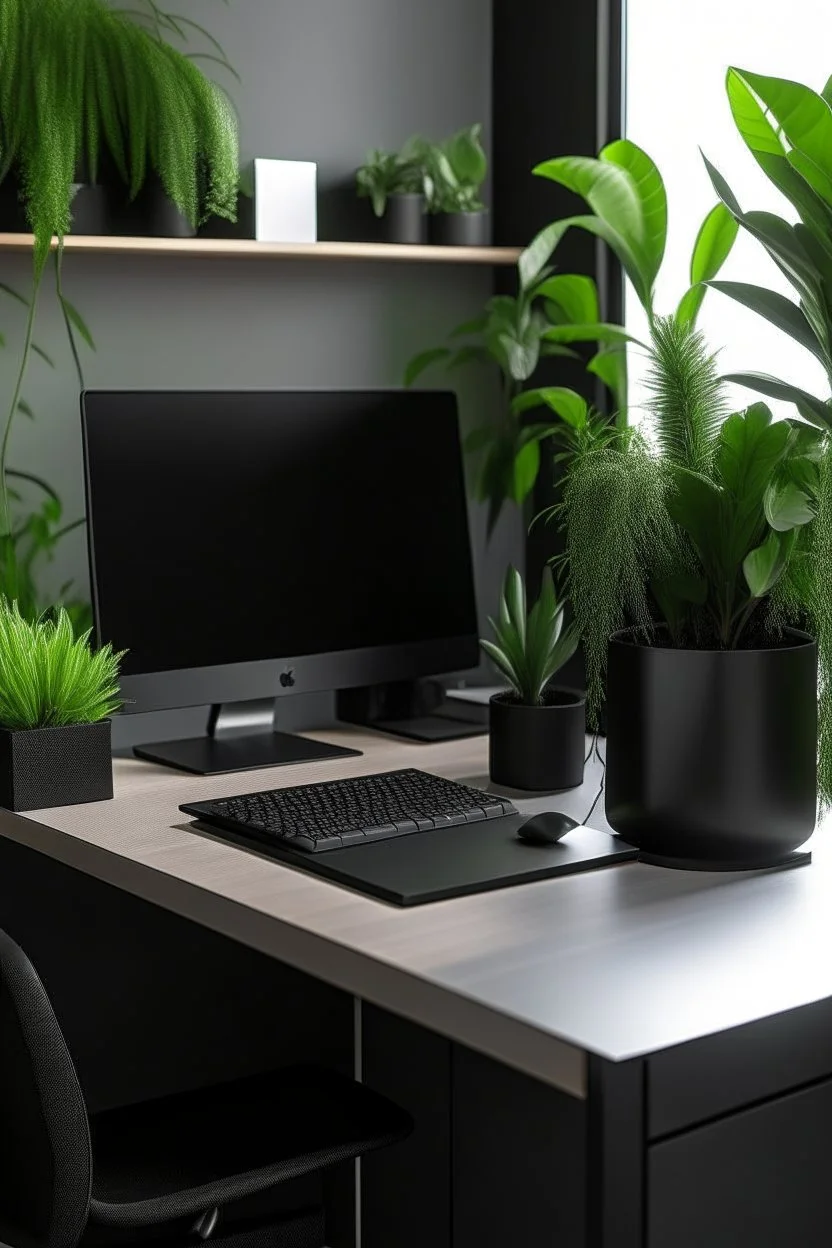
338,814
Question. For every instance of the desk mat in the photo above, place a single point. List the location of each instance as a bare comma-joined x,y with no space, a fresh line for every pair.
450,862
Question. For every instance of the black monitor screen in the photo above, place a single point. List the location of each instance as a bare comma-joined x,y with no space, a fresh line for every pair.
231,527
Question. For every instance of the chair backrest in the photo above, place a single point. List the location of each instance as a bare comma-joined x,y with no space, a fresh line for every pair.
45,1154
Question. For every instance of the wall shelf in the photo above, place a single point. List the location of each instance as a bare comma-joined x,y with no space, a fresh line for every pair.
248,249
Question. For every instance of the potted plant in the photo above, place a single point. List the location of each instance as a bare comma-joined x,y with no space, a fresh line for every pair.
455,172
114,103
56,696
393,182
537,732
514,333
684,540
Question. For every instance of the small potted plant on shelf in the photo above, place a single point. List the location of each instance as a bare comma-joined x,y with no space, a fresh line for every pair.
56,696
115,108
455,172
394,183
692,540
537,730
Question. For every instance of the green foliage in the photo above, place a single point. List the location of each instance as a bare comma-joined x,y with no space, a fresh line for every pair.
617,538
104,82
688,404
455,171
531,646
38,528
49,677
740,521
391,173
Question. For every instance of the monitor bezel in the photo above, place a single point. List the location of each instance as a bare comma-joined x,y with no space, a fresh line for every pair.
178,688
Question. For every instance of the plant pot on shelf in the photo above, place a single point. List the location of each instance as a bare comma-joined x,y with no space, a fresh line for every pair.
460,229
242,228
404,220
152,214
43,767
711,754
538,747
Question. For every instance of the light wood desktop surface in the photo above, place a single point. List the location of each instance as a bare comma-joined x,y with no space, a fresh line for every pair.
618,962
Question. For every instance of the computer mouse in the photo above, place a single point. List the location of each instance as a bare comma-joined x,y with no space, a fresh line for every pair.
547,828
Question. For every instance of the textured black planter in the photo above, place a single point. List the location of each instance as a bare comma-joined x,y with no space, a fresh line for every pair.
460,229
42,767
538,747
404,220
712,754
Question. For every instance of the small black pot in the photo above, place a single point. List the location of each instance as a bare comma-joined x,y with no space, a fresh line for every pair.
460,229
404,220
42,767
152,214
712,754
538,747
243,227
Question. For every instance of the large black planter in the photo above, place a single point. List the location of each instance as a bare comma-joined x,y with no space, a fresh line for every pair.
538,747
712,754
460,229
404,220
43,767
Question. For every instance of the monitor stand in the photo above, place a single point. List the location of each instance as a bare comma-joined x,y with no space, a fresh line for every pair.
241,737
415,710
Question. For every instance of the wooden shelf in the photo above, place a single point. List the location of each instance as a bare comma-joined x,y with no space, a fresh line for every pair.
248,249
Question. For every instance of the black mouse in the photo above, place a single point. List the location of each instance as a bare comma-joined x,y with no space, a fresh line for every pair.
547,828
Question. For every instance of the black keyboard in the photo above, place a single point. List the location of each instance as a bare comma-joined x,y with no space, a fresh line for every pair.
341,813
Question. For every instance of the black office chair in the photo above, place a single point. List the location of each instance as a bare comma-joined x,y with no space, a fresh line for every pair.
164,1166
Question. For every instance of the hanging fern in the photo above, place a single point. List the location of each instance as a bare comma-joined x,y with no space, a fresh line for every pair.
78,79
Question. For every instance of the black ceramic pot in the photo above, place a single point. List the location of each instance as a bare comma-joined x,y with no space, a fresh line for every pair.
538,747
404,220
43,767
152,214
712,754
460,229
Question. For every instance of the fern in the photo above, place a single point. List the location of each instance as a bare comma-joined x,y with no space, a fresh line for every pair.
688,403
49,677
618,536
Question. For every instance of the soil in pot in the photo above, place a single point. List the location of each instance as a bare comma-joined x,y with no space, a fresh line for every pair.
540,748
711,754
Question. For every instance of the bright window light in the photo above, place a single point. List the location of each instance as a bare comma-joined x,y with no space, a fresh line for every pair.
677,56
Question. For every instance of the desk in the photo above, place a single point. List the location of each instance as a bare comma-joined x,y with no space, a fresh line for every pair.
646,1010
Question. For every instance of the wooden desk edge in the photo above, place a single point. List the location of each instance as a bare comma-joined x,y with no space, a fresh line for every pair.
499,1036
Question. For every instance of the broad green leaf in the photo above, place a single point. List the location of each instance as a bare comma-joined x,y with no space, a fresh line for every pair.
573,295
689,305
522,354
567,404
478,438
787,506
696,505
805,118
423,361
750,448
651,191
764,566
675,595
501,661
537,255
716,237
810,408
766,145
776,309
611,367
599,331
476,326
526,468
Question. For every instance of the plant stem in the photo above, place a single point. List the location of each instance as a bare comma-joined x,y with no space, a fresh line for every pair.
5,513
59,290
747,612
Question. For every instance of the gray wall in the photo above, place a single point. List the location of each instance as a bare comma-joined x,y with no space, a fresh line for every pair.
322,80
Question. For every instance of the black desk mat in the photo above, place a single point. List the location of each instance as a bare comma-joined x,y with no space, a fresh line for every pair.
450,862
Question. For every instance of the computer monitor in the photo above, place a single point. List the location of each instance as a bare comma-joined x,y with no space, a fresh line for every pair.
247,545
